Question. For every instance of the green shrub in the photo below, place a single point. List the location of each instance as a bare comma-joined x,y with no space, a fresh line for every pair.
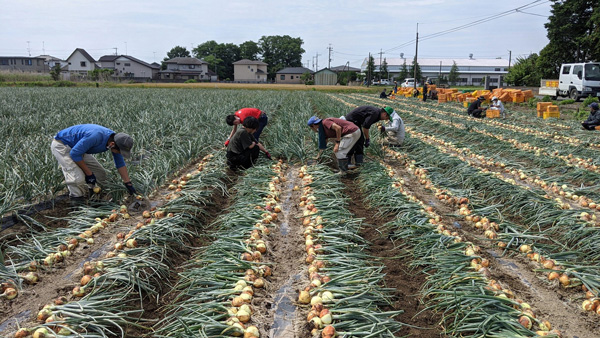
588,100
567,101
191,81
532,102
546,98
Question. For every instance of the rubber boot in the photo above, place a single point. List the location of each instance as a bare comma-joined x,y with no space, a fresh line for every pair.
343,165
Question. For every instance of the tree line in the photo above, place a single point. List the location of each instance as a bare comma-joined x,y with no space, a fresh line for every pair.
278,51
573,31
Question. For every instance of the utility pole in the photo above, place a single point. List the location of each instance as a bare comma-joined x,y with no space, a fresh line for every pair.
317,61
416,53
509,57
368,70
313,61
28,49
115,48
43,48
440,76
380,53
329,63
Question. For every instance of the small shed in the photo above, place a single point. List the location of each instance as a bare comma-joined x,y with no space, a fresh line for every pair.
325,77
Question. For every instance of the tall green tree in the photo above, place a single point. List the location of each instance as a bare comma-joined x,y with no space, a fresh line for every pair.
453,75
403,72
384,73
524,72
249,50
175,52
572,33
370,69
225,54
411,71
280,51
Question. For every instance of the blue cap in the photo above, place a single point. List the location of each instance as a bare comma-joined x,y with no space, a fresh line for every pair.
594,105
313,120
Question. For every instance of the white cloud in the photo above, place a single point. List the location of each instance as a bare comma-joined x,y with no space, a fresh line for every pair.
354,27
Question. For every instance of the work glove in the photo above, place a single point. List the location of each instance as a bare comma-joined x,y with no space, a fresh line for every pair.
367,142
130,188
227,142
268,155
90,179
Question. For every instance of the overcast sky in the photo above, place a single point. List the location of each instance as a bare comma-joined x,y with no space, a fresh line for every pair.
148,29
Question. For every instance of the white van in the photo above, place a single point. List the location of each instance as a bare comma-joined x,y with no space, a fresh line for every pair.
579,80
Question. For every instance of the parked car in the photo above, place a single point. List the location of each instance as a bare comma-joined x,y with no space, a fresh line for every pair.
409,82
383,82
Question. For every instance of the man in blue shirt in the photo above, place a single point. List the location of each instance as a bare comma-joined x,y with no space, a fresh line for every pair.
73,147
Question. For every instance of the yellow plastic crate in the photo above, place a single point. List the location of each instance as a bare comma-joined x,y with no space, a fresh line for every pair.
492,113
542,106
551,114
552,109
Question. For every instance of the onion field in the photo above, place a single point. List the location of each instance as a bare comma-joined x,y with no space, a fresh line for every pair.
471,228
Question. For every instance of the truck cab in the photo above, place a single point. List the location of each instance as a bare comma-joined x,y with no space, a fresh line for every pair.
579,80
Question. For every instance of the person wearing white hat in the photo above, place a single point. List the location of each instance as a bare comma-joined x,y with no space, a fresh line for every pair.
497,104
72,147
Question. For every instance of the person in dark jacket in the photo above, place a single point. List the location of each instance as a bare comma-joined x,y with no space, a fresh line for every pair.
364,117
475,108
593,120
424,91
383,95
243,149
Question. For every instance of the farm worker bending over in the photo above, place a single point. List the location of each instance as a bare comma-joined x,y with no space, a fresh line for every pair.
497,104
364,117
383,95
243,149
475,109
73,147
594,119
394,129
240,116
345,135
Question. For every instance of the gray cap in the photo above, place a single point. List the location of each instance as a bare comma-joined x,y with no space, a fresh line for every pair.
124,142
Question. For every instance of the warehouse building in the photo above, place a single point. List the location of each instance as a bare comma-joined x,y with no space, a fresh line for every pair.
471,71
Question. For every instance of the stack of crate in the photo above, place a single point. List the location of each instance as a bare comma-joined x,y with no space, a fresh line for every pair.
551,111
441,98
542,107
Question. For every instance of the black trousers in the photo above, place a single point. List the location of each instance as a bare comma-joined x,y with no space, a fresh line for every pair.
479,113
589,126
244,160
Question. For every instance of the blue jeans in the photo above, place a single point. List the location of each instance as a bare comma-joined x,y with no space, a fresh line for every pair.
263,120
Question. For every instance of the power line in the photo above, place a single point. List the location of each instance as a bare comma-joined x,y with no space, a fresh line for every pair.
473,23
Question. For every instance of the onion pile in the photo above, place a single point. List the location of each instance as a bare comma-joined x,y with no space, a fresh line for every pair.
241,309
319,316
477,263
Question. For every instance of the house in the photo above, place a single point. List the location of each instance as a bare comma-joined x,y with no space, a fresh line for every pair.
186,68
471,71
291,75
325,77
79,63
23,64
249,71
126,66
52,61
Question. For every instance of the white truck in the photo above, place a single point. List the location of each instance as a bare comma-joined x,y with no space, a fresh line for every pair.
576,80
